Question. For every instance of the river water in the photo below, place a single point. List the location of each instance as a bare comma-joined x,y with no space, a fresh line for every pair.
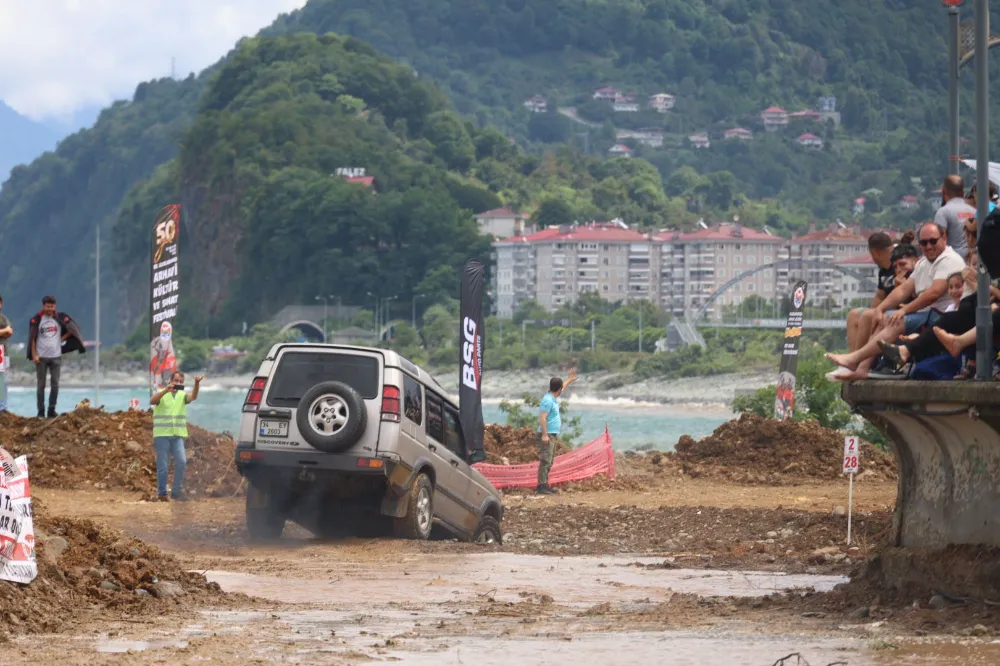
631,424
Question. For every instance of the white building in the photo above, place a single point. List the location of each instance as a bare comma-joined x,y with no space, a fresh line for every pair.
661,102
503,223
700,140
739,133
810,141
832,245
536,104
774,118
620,150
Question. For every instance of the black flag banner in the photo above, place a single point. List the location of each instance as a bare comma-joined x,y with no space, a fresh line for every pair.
164,287
784,398
471,340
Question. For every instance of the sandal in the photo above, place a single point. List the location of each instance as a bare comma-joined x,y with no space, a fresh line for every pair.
968,372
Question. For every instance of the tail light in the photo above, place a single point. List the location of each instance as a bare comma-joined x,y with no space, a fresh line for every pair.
255,395
390,404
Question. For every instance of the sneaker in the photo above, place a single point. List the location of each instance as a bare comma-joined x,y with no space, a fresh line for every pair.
545,490
162,498
179,497
52,412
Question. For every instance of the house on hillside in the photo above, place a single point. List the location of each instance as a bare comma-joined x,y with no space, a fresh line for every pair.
661,102
536,104
620,150
828,110
606,94
700,140
503,223
625,103
774,118
808,114
858,209
810,141
909,202
650,136
737,133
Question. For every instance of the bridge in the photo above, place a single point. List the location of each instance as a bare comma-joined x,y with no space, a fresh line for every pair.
808,324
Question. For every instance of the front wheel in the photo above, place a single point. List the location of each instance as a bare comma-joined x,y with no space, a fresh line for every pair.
264,521
488,531
417,522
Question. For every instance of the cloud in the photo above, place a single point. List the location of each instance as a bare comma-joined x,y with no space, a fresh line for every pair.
60,56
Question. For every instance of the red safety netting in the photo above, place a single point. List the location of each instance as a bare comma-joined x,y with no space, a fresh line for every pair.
589,460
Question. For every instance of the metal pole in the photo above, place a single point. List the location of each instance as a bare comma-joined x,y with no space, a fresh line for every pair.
953,138
984,320
326,326
640,327
593,345
97,325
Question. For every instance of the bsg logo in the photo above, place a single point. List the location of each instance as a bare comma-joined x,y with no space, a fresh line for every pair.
472,354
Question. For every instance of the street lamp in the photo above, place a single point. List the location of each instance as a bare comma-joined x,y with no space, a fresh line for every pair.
953,41
413,321
385,312
984,320
375,315
326,309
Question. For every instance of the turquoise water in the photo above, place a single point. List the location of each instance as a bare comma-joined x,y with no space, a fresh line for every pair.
630,424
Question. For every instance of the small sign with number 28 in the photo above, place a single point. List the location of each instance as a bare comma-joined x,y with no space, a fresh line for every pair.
852,455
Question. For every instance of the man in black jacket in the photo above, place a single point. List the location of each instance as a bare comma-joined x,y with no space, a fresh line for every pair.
50,335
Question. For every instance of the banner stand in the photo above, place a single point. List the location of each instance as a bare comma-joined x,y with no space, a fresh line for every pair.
470,372
784,395
164,286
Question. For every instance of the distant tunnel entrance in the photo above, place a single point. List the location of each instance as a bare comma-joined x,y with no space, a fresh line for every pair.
308,330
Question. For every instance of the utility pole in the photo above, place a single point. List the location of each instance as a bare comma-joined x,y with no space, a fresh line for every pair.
593,345
97,324
953,135
640,327
984,320
326,303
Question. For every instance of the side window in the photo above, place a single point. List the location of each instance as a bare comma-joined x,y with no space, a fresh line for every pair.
453,432
435,424
413,404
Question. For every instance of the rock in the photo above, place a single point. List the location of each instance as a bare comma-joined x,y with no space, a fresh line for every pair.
168,588
839,511
108,585
54,548
816,614
853,551
938,602
787,533
134,552
980,630
772,535
770,559
132,445
861,613
839,557
141,593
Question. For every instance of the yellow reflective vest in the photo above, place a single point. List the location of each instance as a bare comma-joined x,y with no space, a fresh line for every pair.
170,416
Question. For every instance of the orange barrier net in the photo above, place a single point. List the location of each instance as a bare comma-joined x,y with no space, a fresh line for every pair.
589,460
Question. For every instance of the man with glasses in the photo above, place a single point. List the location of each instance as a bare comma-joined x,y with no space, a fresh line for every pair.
912,305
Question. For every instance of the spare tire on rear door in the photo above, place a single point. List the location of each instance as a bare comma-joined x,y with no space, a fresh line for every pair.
331,416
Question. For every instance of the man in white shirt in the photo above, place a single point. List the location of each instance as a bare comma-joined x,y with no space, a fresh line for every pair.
928,289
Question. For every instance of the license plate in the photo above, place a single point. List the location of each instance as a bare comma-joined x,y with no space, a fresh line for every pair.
273,428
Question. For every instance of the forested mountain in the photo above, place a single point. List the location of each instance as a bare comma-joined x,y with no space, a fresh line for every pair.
21,139
255,145
724,61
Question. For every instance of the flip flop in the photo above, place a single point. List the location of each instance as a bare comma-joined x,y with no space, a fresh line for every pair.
841,374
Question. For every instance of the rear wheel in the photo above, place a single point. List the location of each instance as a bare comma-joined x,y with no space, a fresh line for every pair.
416,524
331,416
264,521
488,531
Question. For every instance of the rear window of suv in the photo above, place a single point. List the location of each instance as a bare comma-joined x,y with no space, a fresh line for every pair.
297,372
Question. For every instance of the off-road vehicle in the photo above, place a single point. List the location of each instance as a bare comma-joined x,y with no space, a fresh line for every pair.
345,439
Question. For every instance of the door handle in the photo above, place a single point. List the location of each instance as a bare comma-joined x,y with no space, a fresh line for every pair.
454,463
432,447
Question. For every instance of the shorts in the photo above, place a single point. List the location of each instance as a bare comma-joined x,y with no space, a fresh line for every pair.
918,320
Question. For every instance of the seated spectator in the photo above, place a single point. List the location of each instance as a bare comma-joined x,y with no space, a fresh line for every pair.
860,321
895,316
971,224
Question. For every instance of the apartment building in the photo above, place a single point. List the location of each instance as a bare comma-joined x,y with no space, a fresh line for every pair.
680,271
826,246
852,288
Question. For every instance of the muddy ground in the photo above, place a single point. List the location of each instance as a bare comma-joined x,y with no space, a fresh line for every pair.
694,569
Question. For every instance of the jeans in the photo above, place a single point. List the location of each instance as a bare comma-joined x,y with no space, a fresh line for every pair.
545,455
169,447
54,366
915,321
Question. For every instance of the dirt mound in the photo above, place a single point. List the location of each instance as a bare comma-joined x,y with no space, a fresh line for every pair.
84,567
90,448
512,446
751,449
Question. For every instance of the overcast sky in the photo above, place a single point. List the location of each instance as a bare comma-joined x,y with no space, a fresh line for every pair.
60,56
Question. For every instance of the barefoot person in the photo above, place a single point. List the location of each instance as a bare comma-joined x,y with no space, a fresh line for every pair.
169,433
929,287
860,321
549,426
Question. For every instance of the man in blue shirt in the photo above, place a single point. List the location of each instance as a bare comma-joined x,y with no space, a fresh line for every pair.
549,426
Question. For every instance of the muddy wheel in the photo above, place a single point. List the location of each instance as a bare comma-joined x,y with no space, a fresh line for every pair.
488,531
264,521
417,522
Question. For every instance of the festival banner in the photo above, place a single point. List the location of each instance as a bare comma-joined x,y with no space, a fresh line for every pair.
164,291
470,378
784,398
17,531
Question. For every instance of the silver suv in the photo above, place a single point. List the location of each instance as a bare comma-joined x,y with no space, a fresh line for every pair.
349,440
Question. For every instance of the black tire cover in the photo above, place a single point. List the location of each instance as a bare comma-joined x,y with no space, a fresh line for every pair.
349,434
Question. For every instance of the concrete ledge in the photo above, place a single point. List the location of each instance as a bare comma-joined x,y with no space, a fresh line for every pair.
946,438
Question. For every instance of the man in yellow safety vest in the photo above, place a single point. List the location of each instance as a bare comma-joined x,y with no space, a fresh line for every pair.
169,433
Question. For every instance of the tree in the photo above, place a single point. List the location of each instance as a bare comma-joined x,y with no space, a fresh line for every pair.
549,127
440,328
553,212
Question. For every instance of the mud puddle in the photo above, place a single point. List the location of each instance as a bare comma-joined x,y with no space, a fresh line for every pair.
508,577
